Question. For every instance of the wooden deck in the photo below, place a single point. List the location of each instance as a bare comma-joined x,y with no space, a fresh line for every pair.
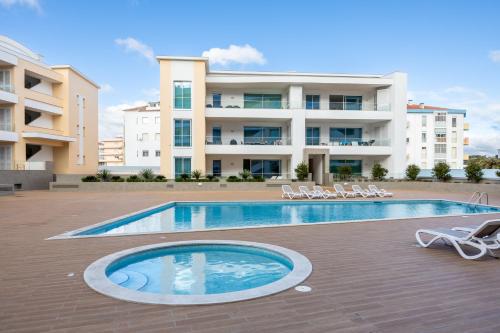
368,277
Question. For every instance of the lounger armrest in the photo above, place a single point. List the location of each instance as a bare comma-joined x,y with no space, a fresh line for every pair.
463,229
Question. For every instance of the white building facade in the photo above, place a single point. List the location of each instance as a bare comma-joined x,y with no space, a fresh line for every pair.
436,134
142,135
222,122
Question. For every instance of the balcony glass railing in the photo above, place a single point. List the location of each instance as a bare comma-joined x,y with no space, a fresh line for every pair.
347,106
231,140
6,126
365,141
247,104
8,87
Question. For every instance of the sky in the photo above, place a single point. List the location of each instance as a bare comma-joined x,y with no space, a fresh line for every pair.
450,49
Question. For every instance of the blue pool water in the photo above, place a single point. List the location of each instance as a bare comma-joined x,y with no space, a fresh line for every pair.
199,269
186,216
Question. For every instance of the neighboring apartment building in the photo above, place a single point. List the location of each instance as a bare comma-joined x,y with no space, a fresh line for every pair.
222,122
48,114
142,135
435,134
111,152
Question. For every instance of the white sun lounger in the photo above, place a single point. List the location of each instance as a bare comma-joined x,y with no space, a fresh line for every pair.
345,194
359,191
484,238
308,193
325,193
289,193
380,193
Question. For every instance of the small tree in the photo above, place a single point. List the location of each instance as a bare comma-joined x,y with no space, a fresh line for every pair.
473,171
245,174
302,171
104,175
498,173
196,174
345,172
378,172
412,172
441,171
147,174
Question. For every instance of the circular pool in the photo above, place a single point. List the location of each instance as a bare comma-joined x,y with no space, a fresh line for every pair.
197,272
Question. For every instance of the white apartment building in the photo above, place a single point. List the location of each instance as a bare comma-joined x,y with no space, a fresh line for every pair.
142,135
221,122
435,134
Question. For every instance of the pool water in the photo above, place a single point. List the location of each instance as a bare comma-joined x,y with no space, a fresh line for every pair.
186,216
199,269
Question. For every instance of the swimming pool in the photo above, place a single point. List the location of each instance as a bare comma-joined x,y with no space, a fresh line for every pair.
196,216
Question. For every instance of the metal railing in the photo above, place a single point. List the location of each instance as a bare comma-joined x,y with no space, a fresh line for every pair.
477,198
233,140
346,106
364,142
234,103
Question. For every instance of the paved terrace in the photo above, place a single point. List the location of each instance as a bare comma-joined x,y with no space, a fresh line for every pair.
368,277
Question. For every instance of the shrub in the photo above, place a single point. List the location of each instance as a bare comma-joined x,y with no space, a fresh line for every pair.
473,171
90,179
258,178
245,174
184,177
147,174
233,179
412,172
378,172
117,179
441,171
498,173
196,174
210,177
345,172
134,179
104,175
302,171
160,178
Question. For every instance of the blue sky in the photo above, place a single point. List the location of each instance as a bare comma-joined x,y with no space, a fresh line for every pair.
450,49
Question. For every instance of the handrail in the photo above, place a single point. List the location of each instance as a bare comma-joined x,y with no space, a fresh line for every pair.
477,198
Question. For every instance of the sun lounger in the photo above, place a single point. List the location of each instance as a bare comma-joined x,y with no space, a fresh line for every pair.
345,194
308,193
325,193
381,193
289,193
359,191
484,238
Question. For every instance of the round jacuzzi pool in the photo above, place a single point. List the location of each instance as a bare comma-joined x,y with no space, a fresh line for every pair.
197,272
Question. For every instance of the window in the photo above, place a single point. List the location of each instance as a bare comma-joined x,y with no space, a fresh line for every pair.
262,101
157,120
182,166
407,140
216,136
440,149
341,102
356,166
145,137
157,153
5,80
5,157
182,135
336,102
261,135
145,153
454,122
182,95
454,137
157,136
5,120
440,134
217,168
263,168
424,137
423,154
312,102
424,120
440,119
453,152
217,100
312,136
145,120
345,136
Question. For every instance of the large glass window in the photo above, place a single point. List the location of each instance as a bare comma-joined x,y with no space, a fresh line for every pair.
182,135
261,135
263,168
356,166
182,166
312,102
345,136
217,168
262,101
424,120
341,102
5,80
182,95
217,100
5,120
312,136
216,135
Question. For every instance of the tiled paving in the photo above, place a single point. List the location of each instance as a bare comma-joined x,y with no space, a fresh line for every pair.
368,277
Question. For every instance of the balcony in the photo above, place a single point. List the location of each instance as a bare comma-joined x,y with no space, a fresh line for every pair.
243,109
351,146
367,112
347,106
466,141
466,126
7,93
47,135
7,133
228,145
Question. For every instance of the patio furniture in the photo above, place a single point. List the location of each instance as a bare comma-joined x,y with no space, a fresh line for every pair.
381,193
325,193
345,194
289,193
484,238
310,194
359,191
233,142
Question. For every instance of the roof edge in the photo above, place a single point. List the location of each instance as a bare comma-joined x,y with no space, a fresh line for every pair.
77,72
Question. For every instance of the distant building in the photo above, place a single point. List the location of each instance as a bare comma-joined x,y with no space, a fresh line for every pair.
111,152
142,135
436,134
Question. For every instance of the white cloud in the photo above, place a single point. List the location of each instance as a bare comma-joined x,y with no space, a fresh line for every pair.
32,4
243,55
106,88
495,55
133,45
111,119
483,114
